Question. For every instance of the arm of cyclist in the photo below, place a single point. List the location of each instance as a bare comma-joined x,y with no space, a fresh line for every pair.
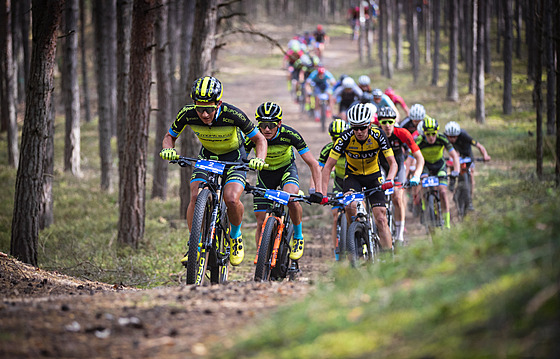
415,179
456,162
326,172
483,152
260,151
316,196
393,167
168,151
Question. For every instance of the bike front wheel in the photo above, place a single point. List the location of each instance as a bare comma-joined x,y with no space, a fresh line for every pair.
356,238
262,270
341,233
200,230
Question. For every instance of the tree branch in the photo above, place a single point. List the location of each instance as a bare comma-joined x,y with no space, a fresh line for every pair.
228,3
253,32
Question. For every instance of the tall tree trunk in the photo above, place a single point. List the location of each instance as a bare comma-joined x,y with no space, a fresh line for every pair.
389,32
132,209
29,179
83,55
452,88
550,65
426,11
71,90
480,108
507,55
46,211
538,9
163,73
414,51
398,35
103,93
518,20
8,88
486,41
436,19
173,36
124,25
474,24
557,42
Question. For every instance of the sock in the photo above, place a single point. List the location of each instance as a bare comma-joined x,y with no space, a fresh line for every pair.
235,231
297,231
399,226
447,219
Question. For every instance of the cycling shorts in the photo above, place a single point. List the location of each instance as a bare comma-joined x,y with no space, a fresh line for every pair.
401,171
231,176
356,183
435,169
338,187
317,91
273,180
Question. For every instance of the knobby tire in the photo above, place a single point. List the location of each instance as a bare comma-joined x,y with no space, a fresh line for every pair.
262,270
280,271
342,231
200,230
462,195
356,233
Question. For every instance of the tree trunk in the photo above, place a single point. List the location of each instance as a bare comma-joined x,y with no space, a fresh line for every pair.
480,108
124,25
557,42
550,66
103,94
71,90
132,209
163,73
414,51
389,32
426,11
436,19
452,88
203,40
8,88
83,54
398,35
507,56
518,21
538,9
29,180
46,212
381,33
486,41
474,37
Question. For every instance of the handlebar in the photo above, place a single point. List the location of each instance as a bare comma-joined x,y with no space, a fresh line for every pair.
191,161
261,191
335,199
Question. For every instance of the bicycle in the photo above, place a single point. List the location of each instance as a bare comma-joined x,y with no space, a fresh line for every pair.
209,238
323,106
431,203
337,200
463,193
273,260
362,240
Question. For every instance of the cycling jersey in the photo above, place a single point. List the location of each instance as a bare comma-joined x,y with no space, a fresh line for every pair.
464,144
280,152
400,139
361,157
224,135
385,101
433,153
323,83
319,36
340,167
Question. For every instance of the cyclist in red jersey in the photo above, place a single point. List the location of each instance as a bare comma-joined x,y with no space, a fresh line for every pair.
397,100
398,139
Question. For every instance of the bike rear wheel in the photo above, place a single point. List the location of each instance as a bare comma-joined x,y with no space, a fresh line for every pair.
280,270
354,241
462,195
196,267
219,272
262,270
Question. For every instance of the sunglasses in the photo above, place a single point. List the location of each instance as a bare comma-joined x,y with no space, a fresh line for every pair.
360,128
430,133
269,125
387,122
208,108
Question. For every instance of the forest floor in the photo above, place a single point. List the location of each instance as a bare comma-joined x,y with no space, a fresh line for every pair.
47,314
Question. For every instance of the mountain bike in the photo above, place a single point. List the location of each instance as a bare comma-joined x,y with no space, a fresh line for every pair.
209,240
273,260
362,240
431,203
337,200
463,192
323,107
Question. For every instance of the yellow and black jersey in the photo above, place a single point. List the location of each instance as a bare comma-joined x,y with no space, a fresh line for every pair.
361,156
224,135
340,167
280,150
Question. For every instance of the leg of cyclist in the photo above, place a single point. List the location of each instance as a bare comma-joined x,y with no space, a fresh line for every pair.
295,214
444,194
190,209
232,194
399,213
380,215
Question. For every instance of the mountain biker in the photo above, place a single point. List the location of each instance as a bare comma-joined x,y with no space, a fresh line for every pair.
348,93
361,145
397,100
282,170
463,143
364,82
292,55
321,81
416,114
399,138
336,128
321,38
220,127
432,144
382,100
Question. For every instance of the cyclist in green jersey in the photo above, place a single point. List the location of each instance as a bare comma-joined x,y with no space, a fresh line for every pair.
282,171
336,128
221,128
432,144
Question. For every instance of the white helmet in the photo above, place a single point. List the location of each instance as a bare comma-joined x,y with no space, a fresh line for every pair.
348,82
419,128
417,112
360,115
452,129
364,80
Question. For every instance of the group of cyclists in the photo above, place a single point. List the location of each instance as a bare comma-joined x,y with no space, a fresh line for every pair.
369,148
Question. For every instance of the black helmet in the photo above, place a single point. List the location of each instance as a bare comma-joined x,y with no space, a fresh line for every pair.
367,97
207,89
386,112
268,111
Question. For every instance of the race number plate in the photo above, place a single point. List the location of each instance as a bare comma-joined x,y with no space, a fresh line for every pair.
431,181
277,196
352,198
210,166
389,191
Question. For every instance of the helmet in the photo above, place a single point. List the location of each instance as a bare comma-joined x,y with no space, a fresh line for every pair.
337,127
386,112
360,115
306,60
419,128
367,97
364,80
417,112
319,27
430,124
377,93
295,45
452,129
389,92
321,70
348,82
207,89
268,111
342,77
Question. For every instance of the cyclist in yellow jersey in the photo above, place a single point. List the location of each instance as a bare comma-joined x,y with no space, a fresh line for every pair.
432,144
221,128
282,170
361,145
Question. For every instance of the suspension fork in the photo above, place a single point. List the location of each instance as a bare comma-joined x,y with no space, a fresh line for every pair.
277,242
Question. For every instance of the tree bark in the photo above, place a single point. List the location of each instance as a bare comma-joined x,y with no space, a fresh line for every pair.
132,209
163,73
389,32
83,55
480,108
550,66
436,19
452,88
398,35
414,51
29,179
71,90
474,44
538,9
507,56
